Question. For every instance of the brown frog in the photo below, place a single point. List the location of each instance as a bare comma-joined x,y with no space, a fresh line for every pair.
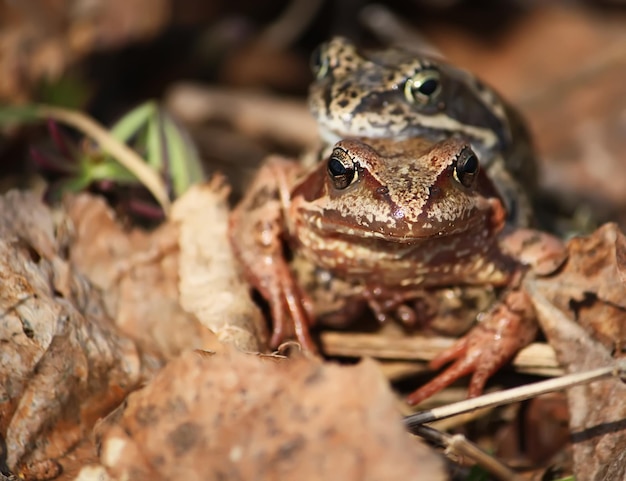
394,93
390,219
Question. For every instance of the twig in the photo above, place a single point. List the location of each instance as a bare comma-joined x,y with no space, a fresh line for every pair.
513,395
121,152
460,446
537,358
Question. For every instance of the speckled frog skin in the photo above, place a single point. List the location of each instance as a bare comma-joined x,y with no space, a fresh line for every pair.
389,218
396,94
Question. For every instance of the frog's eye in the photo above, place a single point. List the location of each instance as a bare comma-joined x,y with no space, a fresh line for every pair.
424,87
319,62
467,167
341,169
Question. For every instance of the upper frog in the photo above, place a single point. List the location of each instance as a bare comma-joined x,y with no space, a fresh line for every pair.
387,218
393,93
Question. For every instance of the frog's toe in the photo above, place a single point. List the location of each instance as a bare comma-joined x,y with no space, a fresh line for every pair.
278,332
484,350
466,363
292,323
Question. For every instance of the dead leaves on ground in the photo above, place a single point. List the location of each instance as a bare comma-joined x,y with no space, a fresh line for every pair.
235,416
63,363
582,312
73,349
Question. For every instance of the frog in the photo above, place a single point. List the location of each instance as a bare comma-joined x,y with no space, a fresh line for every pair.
395,93
389,219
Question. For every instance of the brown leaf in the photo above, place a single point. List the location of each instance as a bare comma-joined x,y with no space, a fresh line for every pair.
582,312
590,288
63,364
236,416
138,274
211,286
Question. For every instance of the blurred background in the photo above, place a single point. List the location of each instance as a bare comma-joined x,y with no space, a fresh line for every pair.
561,63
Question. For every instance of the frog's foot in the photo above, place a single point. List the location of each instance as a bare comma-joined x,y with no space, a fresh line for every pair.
509,327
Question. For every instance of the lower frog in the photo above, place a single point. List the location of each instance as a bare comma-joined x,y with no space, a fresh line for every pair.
391,219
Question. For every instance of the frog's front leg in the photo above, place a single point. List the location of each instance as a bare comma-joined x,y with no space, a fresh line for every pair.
256,230
507,328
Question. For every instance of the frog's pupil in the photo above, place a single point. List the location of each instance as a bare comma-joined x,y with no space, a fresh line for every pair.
336,168
467,167
471,164
428,87
340,174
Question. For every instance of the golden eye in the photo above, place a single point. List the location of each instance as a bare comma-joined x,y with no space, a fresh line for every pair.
466,167
424,87
341,169
320,61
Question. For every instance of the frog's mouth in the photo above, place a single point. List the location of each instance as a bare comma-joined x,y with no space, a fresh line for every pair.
398,232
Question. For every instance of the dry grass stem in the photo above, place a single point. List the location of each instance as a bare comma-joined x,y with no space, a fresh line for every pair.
121,152
514,395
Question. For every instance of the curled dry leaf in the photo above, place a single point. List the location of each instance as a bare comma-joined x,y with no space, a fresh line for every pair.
138,274
63,363
211,286
582,311
236,416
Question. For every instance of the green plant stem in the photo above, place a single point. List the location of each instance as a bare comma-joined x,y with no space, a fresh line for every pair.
121,152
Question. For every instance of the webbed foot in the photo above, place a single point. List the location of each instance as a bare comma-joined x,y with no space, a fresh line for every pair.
509,326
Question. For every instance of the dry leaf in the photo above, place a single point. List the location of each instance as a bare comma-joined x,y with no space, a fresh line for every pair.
211,286
582,312
63,363
237,416
138,274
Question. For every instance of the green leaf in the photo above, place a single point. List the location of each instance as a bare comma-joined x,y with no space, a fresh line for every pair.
108,170
154,143
184,162
74,184
132,122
